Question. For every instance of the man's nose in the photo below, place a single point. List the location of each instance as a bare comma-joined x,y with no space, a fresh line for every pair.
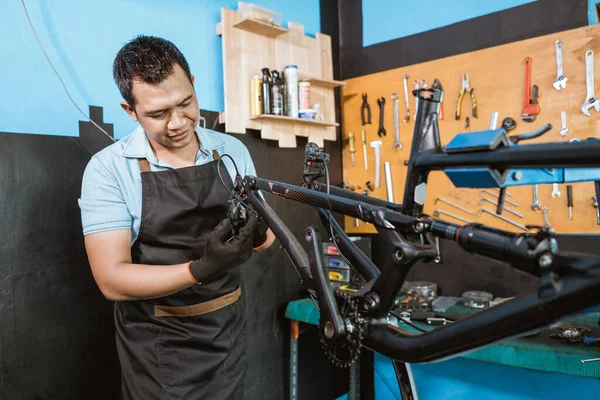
177,120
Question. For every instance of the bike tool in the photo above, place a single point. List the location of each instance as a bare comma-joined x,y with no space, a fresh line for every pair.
530,108
438,86
405,83
381,103
466,88
397,144
364,142
561,79
595,200
590,99
351,145
365,107
570,201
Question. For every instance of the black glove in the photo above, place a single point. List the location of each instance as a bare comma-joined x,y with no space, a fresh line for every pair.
220,255
260,234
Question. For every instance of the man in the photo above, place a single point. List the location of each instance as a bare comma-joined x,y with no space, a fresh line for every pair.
158,240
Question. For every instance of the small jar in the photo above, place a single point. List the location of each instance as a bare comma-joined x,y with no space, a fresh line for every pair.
421,290
477,299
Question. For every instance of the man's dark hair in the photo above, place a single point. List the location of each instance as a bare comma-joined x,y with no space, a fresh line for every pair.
147,59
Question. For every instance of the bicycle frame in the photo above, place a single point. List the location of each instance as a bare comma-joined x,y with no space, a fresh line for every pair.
569,282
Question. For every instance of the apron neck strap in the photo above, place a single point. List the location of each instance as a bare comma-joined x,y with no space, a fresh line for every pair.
216,155
144,165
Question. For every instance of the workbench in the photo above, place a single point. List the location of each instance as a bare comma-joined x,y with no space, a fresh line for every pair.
535,366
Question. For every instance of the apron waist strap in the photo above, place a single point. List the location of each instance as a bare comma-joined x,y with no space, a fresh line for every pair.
200,308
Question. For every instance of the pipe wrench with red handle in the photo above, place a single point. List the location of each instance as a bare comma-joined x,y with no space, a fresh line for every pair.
530,108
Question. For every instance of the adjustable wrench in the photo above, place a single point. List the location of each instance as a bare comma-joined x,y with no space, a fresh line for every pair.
590,99
555,192
536,204
561,79
407,116
381,103
563,120
376,144
396,124
530,108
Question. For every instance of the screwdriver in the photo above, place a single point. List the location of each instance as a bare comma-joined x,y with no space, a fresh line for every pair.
352,149
570,200
596,198
364,140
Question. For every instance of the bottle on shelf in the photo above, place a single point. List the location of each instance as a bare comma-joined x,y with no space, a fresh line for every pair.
266,91
276,95
291,79
255,96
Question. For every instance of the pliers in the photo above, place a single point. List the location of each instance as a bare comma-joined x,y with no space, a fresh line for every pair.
466,88
365,105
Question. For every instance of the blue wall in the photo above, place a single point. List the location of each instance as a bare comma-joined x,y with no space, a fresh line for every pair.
82,38
385,20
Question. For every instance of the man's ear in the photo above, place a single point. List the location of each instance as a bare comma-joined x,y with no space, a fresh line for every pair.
129,110
192,77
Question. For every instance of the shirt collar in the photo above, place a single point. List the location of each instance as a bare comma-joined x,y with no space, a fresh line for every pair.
139,146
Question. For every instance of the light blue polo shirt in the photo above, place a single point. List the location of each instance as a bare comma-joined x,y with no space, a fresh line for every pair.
111,191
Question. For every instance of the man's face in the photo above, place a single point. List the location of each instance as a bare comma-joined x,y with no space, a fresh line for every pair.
168,112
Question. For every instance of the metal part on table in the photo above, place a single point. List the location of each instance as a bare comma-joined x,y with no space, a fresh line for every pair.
590,360
453,205
546,222
497,196
364,142
443,303
555,191
396,143
566,332
377,144
561,79
536,204
496,204
388,181
493,121
351,145
530,108
405,83
482,210
563,120
381,103
590,99
436,214
365,107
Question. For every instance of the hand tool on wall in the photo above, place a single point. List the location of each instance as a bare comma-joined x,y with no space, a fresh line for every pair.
595,199
388,181
405,83
493,121
351,145
530,108
496,204
396,143
590,98
453,205
546,222
482,210
369,185
459,198
555,192
364,142
465,88
416,83
563,120
381,103
436,214
365,108
570,201
377,144
536,204
561,79
438,85
496,196
438,256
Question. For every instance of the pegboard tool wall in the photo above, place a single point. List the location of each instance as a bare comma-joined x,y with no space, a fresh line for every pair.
497,76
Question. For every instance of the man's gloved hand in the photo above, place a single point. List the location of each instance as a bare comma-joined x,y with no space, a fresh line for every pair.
220,254
260,234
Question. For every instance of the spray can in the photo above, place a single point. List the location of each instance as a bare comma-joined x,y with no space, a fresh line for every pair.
304,95
255,96
276,95
283,92
291,79
266,91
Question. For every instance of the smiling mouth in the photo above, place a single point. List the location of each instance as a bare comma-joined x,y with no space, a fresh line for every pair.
178,136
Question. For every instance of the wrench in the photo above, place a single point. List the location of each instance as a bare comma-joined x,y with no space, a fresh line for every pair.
563,119
387,167
416,83
536,204
590,99
561,79
407,116
546,223
396,124
376,144
381,103
481,210
530,108
555,191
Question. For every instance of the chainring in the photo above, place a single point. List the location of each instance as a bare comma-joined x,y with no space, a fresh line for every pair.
346,350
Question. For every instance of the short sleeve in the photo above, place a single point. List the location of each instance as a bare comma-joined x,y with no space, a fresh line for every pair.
102,203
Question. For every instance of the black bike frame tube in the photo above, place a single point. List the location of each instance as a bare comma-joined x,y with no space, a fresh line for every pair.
546,155
336,191
289,242
519,315
358,260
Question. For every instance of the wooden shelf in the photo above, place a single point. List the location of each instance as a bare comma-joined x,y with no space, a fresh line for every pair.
260,28
328,83
282,118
